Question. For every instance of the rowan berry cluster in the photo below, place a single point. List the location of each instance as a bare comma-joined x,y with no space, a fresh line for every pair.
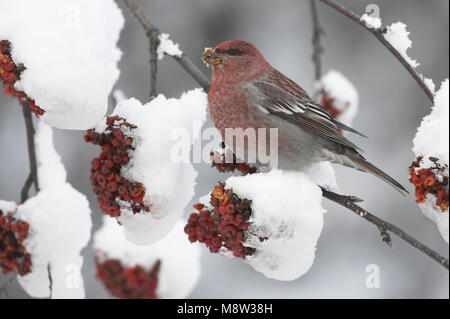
225,225
430,181
107,183
13,255
128,282
10,73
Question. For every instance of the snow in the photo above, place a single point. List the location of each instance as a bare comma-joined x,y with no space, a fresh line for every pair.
180,260
7,206
322,174
371,22
167,46
432,139
287,209
397,35
60,226
344,94
69,50
429,83
440,218
119,96
169,183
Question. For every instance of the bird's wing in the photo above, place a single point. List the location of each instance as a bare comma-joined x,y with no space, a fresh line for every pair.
302,111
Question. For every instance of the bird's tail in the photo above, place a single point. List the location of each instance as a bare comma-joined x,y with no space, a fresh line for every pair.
364,165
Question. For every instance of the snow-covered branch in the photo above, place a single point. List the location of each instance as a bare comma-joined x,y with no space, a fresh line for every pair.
380,35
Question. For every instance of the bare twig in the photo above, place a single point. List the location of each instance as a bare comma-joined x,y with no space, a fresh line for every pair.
379,35
384,226
50,279
152,34
32,177
152,31
317,33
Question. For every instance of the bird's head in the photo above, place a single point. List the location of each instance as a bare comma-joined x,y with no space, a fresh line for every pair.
237,57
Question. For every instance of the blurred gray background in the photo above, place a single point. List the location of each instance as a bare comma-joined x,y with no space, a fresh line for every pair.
391,107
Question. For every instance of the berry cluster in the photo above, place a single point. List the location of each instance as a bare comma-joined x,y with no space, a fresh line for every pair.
107,183
10,73
328,104
13,255
128,283
430,181
225,225
219,161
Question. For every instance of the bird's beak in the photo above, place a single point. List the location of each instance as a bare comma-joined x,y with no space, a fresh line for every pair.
211,58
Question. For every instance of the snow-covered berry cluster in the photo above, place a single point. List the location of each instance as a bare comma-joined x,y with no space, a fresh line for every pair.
128,282
430,181
10,73
13,255
111,188
224,225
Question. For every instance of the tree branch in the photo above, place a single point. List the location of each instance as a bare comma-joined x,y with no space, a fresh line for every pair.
32,176
379,35
152,31
384,226
317,33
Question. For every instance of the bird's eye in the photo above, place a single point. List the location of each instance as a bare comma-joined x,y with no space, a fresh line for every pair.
233,52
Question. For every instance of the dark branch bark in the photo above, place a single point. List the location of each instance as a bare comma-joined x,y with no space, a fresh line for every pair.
50,280
317,33
32,177
379,35
152,31
152,34
383,226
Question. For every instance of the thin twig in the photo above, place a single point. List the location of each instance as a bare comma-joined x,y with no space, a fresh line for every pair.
384,226
151,30
152,34
50,280
32,177
379,35
317,33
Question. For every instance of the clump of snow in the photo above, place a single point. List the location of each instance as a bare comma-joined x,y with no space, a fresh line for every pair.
167,46
343,94
70,54
432,137
371,22
60,225
432,140
169,183
429,83
397,35
119,95
440,218
322,174
287,210
7,206
180,260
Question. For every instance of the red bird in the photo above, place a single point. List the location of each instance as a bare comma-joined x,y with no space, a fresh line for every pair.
247,92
